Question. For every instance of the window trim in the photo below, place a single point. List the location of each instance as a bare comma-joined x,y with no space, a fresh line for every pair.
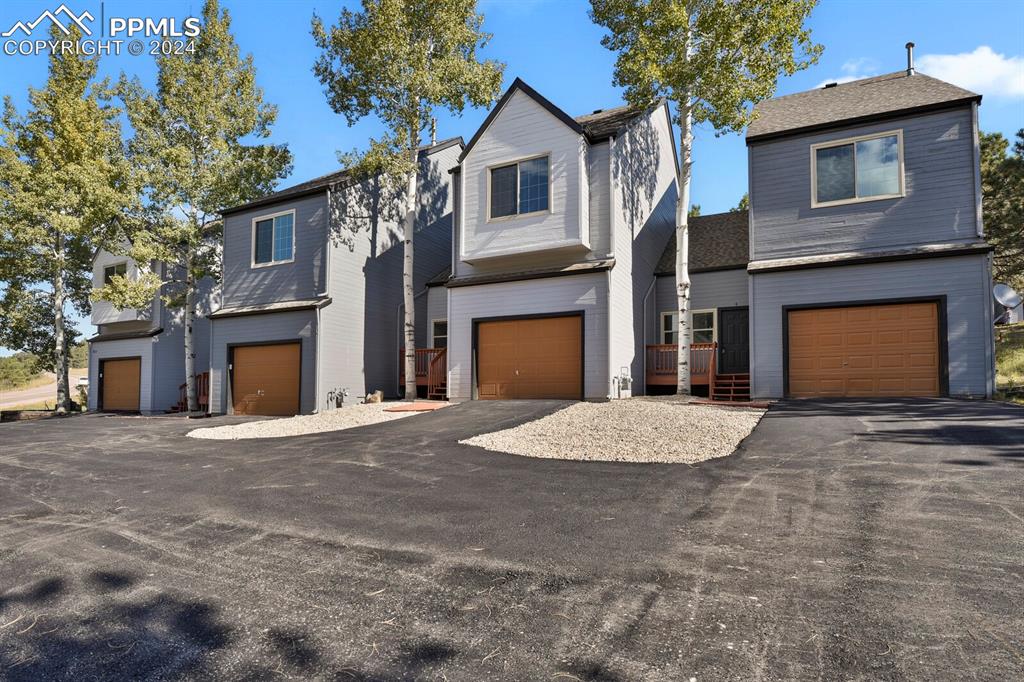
114,265
432,335
714,324
252,240
516,163
854,140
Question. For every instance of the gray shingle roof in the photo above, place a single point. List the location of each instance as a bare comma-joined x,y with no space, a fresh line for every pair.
325,181
603,124
846,102
717,242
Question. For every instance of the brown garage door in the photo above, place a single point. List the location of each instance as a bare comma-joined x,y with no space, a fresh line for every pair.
119,384
265,379
872,350
530,358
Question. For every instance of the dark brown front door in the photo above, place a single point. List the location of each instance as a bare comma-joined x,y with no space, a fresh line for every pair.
733,340
530,358
869,350
119,384
265,379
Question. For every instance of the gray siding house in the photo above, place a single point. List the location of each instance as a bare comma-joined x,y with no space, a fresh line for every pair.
869,270
866,272
312,290
560,223
137,357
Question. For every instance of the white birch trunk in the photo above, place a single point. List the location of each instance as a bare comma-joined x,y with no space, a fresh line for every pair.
60,360
408,293
683,251
192,398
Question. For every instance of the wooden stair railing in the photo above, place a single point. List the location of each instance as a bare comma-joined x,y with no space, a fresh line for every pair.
202,394
437,376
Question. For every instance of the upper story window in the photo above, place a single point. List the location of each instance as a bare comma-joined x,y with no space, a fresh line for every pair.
857,169
518,188
111,271
273,239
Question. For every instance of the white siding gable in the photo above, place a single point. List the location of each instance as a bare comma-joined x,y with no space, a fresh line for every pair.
523,129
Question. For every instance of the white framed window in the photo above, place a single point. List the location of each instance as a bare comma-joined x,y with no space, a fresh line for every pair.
439,333
112,271
519,188
702,326
273,239
856,169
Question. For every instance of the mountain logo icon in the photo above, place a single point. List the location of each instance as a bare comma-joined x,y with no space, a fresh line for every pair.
70,17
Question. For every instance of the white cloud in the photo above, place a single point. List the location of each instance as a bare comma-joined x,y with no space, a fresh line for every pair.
983,71
853,70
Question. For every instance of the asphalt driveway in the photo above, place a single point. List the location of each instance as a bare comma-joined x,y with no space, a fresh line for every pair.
846,540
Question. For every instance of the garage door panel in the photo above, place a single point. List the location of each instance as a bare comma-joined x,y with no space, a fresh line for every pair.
530,358
889,350
265,379
121,383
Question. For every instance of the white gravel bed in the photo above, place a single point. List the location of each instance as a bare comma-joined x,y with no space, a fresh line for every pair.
334,420
632,430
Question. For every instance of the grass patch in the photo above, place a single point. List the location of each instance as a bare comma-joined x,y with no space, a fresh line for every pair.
41,405
1010,356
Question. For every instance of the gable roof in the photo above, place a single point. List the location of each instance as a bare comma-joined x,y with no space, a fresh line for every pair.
596,127
717,242
858,101
321,183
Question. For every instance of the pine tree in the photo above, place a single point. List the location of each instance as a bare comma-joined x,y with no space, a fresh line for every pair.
65,190
191,152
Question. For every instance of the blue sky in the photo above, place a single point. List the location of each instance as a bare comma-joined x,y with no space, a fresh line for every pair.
554,47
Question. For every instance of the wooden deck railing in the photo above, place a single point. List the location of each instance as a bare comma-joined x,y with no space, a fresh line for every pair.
431,369
662,369
202,394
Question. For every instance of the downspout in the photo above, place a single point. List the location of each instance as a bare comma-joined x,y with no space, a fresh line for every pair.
319,325
650,288
611,254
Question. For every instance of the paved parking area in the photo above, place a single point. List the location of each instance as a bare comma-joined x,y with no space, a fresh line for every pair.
844,540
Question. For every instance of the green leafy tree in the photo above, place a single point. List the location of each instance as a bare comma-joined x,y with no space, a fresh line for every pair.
65,189
196,147
694,211
1002,188
744,203
401,60
713,59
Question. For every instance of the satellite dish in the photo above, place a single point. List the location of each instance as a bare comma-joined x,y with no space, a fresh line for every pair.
1005,296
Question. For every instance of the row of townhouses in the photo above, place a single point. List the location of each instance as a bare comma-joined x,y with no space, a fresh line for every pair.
545,251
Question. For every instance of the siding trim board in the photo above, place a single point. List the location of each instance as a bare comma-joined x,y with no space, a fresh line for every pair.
859,120
476,321
230,400
833,260
284,307
940,304
497,278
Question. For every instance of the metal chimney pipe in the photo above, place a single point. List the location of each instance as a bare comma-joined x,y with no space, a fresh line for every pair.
910,59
